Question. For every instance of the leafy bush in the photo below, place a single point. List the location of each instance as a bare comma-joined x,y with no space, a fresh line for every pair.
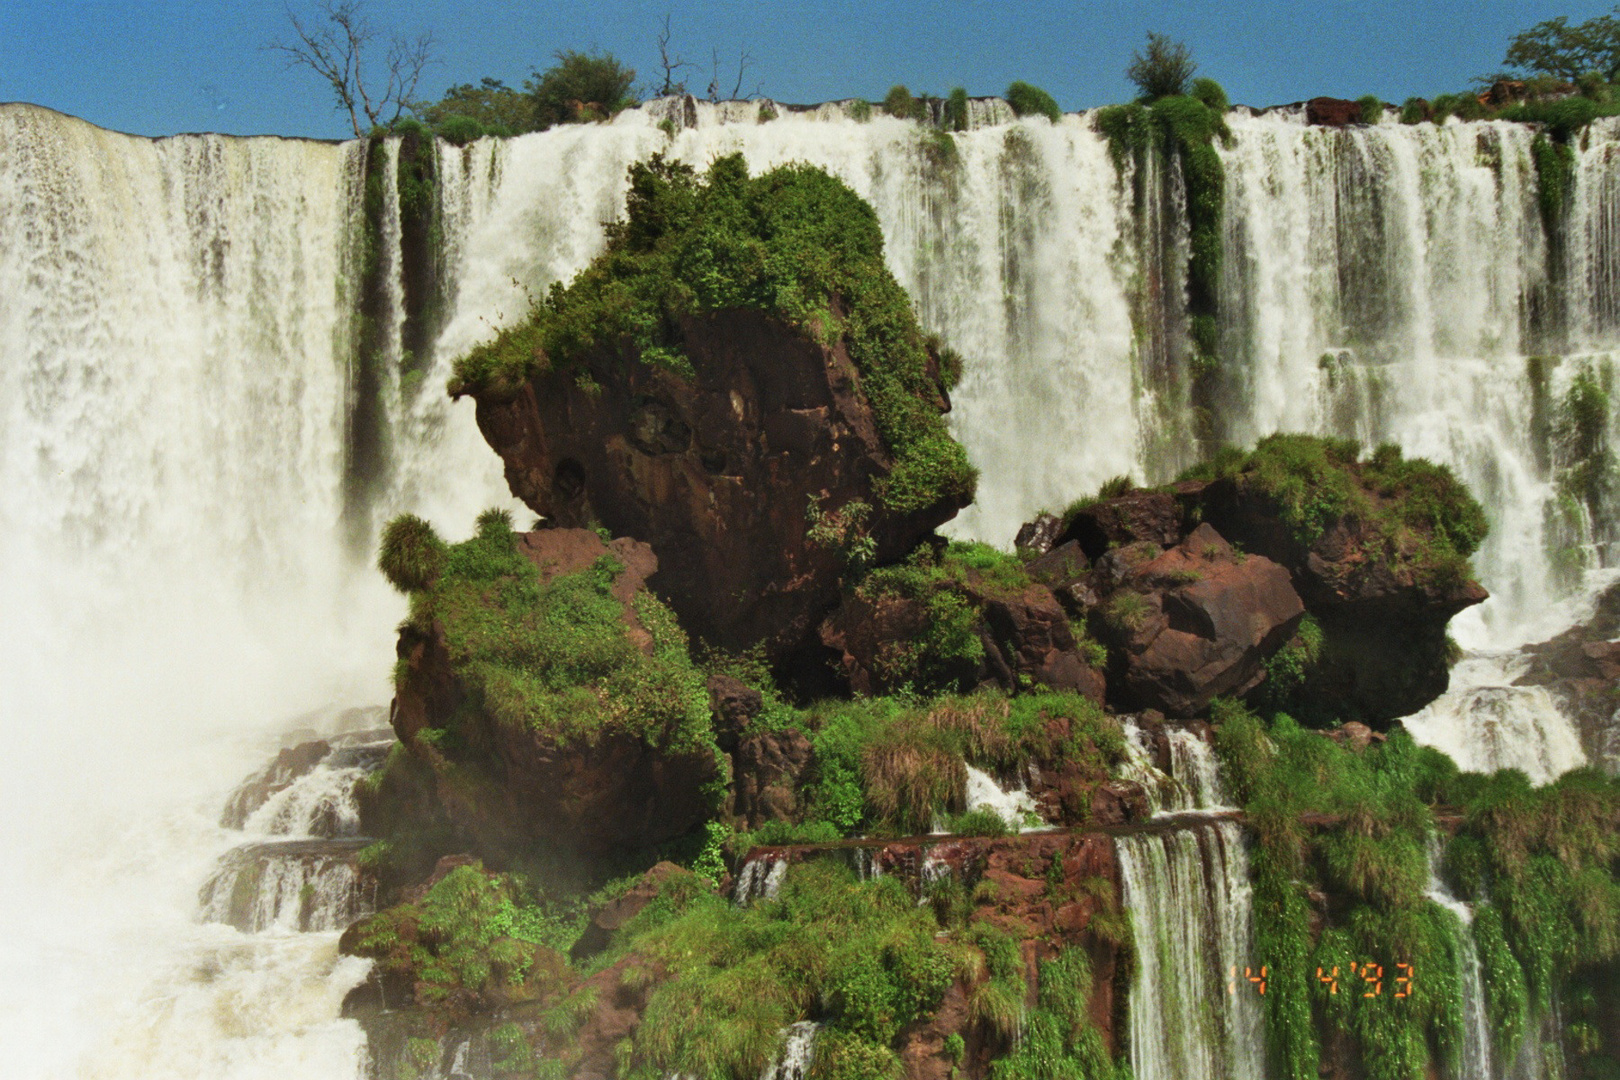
1164,69
581,87
459,130
860,111
1212,94
1414,110
495,107
899,104
1027,100
956,110
794,242
1372,109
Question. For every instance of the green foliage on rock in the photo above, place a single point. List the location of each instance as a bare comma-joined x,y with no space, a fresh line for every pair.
1372,109
1058,1041
884,766
1211,93
794,242
861,956
956,110
899,104
1426,518
410,554
557,658
1027,100
471,933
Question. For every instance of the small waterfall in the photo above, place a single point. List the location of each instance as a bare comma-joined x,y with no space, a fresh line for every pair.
1194,780
1476,1063
1193,1015
1485,723
1014,806
798,1044
298,885
760,879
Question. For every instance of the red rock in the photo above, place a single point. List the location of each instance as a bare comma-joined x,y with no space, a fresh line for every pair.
716,472
1152,516
1332,112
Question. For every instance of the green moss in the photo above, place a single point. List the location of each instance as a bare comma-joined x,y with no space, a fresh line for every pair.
1027,100
794,242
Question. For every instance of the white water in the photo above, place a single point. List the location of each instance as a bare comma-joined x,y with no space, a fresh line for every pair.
1193,782
175,353
798,1049
1012,805
1194,1013
1476,1061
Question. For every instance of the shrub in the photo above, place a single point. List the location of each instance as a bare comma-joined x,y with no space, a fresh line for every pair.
1372,109
767,113
899,103
1163,69
411,554
794,242
860,111
956,110
1027,100
581,87
459,130
1414,110
1211,93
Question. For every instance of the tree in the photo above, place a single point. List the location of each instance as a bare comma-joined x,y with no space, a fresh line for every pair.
335,48
495,106
1554,47
1164,69
581,87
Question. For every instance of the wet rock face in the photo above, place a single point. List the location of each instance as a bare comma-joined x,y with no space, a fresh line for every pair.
1198,622
1333,112
1581,668
715,472
590,795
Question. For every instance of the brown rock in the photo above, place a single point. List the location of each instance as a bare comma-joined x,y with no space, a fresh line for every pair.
1332,112
1039,534
615,913
734,703
715,472
766,776
1152,516
1210,621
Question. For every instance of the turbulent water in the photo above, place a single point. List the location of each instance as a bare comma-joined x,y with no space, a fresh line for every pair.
192,435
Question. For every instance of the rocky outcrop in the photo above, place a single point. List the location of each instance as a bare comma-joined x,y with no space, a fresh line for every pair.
1177,622
716,471
506,786
1197,622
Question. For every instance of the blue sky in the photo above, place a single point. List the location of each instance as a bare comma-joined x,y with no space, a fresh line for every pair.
156,67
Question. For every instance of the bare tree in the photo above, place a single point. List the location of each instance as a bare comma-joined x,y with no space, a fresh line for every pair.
744,62
335,48
670,64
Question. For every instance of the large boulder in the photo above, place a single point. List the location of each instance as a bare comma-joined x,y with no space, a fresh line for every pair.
507,783
1197,622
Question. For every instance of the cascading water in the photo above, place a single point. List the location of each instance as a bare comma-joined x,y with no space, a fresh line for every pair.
180,451
1194,780
1194,1013
1476,1055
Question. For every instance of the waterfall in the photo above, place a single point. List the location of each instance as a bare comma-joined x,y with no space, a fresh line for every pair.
798,1045
1476,1061
1194,1011
1194,780
196,439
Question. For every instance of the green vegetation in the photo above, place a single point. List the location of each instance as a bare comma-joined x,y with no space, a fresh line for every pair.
860,111
1027,100
490,108
581,87
899,104
1163,69
886,767
864,956
1556,48
554,658
1058,1041
1414,110
956,110
1425,520
794,242
411,554
1372,109
469,940
1212,94
1288,668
